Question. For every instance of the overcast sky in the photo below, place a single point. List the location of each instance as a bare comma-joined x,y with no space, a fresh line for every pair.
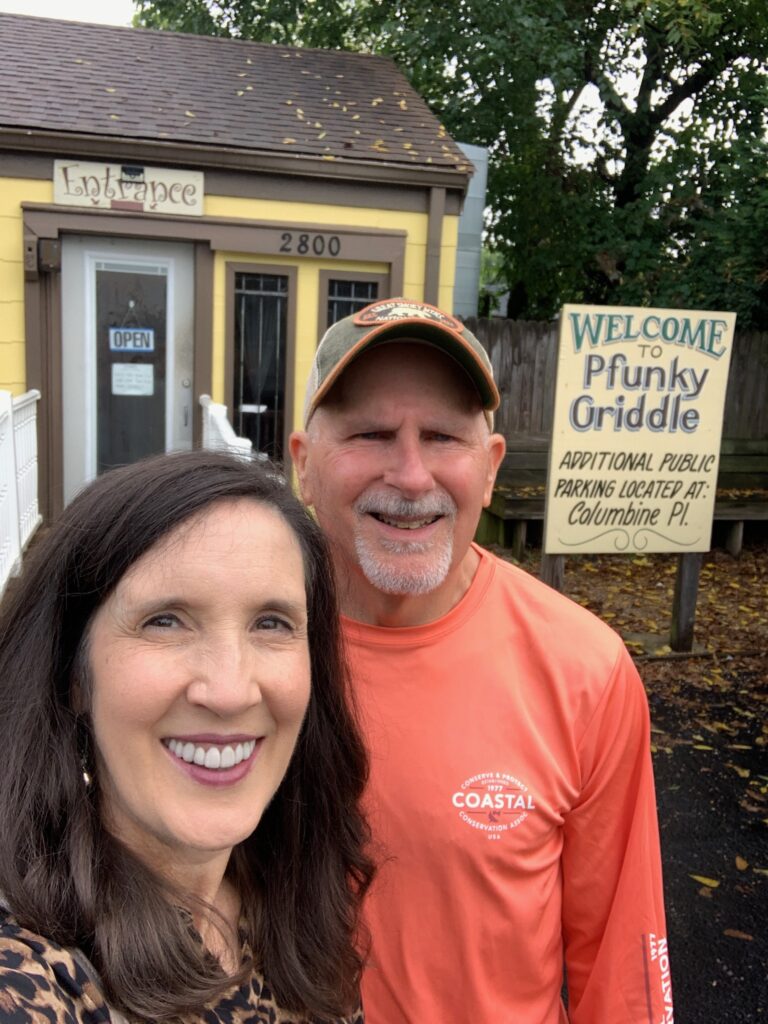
109,12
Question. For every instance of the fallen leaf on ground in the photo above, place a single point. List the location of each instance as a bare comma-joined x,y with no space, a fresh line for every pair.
734,933
711,883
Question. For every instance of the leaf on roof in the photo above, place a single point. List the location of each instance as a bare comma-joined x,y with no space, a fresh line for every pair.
407,145
241,92
114,117
249,88
403,105
328,156
110,88
242,74
288,142
322,135
188,113
289,103
355,117
377,101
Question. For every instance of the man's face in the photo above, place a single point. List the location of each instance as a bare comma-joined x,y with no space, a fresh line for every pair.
398,463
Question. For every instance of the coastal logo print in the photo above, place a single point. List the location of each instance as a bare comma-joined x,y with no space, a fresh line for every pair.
493,803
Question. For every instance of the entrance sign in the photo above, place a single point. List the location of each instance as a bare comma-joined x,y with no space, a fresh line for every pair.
128,187
636,435
131,339
133,379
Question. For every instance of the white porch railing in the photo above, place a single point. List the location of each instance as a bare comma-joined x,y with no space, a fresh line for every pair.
25,443
218,432
19,513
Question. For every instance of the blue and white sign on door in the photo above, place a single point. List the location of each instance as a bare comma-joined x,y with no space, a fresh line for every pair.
131,339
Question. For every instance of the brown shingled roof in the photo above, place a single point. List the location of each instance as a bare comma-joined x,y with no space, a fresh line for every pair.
108,81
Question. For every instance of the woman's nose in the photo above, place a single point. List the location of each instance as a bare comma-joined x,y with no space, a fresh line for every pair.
225,678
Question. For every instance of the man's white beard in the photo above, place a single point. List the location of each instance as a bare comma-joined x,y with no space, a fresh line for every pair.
397,575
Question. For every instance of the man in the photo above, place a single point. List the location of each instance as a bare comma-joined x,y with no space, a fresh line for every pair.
511,789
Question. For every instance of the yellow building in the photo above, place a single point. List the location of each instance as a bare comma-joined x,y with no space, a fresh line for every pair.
182,215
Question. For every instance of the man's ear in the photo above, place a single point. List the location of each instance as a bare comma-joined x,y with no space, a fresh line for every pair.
497,446
298,445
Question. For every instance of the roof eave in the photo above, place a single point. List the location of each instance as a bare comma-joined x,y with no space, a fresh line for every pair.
115,148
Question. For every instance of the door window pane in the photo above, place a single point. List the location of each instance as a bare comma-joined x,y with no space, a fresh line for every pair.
347,297
131,314
261,310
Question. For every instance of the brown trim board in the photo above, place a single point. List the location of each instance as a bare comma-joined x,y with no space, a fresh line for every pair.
434,243
278,187
199,155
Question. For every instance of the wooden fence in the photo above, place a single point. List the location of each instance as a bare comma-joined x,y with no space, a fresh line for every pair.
524,358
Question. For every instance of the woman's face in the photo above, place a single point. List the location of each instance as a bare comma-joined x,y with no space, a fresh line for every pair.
200,678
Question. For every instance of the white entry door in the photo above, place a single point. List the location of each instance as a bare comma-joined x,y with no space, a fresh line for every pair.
127,353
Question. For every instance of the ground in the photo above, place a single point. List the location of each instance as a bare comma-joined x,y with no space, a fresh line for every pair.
710,750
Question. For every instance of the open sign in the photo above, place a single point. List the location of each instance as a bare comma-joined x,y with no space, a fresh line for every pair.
131,339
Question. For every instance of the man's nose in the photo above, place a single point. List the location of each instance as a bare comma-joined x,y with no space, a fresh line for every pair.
408,470
225,677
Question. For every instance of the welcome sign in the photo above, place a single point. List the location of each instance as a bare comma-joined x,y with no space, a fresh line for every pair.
636,434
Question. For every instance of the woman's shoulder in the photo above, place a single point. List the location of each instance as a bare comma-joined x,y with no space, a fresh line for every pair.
40,980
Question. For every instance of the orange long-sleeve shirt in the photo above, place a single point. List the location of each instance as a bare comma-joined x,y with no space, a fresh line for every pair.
512,797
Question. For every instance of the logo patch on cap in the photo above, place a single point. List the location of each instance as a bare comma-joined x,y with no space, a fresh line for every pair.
391,310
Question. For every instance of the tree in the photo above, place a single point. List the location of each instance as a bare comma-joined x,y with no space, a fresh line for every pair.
627,138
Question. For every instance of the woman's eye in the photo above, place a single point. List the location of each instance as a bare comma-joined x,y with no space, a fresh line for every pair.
165,620
273,623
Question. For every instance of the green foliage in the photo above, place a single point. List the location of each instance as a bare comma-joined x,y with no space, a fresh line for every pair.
626,137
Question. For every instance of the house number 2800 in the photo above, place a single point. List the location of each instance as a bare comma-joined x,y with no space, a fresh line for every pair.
310,244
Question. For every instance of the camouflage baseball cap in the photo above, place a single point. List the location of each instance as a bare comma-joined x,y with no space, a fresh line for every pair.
398,320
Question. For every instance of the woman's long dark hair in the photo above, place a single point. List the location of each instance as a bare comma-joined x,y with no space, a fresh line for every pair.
301,875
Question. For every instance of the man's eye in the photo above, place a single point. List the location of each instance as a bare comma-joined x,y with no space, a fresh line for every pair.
369,435
437,436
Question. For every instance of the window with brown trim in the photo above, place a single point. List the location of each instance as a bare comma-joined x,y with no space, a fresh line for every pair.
346,297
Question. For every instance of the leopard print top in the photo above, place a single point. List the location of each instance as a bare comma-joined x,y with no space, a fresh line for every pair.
43,982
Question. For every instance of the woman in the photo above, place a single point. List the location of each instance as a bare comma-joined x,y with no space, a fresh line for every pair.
180,836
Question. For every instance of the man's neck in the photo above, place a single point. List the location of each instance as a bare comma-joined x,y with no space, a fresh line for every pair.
361,601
